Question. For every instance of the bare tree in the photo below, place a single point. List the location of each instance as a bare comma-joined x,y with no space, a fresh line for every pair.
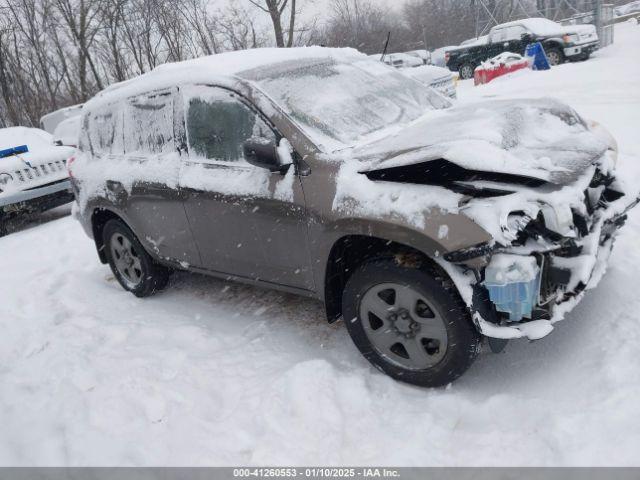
82,21
277,10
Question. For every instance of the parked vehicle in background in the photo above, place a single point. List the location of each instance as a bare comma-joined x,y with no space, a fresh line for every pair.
475,41
627,9
68,132
438,78
319,172
561,43
423,55
402,60
50,121
438,56
33,173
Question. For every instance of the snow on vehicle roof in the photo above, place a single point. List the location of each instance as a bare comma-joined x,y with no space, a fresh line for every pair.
34,138
475,41
50,121
220,66
539,26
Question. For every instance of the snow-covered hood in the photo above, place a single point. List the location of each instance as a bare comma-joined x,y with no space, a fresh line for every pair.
585,33
579,29
539,138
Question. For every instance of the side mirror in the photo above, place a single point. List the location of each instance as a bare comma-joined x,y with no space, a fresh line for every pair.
263,153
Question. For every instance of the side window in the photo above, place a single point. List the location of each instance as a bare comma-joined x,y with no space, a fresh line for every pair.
103,130
148,124
498,35
514,33
218,123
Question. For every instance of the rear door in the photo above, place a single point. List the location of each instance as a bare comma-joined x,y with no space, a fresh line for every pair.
149,177
247,221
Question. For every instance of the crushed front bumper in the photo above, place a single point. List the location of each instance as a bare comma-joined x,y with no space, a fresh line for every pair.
565,276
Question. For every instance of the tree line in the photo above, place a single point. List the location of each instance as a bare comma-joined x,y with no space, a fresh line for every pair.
55,53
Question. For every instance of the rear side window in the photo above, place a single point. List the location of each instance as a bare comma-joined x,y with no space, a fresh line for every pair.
498,35
218,123
103,130
148,124
514,33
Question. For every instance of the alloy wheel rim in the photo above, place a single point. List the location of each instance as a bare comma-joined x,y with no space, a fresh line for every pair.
403,326
126,260
554,58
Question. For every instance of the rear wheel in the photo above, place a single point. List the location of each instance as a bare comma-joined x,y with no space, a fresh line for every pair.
132,266
409,323
555,56
466,71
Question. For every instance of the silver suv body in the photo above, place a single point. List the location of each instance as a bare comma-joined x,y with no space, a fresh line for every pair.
425,226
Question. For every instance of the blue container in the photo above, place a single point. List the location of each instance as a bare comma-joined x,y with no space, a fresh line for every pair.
517,299
537,53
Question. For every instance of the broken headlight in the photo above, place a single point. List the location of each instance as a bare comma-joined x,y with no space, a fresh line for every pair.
514,224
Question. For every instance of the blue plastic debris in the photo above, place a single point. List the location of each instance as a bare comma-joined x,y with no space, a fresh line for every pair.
13,151
513,285
536,52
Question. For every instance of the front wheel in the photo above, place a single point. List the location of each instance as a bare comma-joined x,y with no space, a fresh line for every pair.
409,323
132,266
555,57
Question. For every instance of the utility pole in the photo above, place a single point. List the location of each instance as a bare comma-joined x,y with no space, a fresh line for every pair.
598,19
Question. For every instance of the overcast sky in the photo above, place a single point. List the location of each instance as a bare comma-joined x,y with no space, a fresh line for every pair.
311,8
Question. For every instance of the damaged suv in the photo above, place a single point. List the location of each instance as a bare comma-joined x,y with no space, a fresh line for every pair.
426,227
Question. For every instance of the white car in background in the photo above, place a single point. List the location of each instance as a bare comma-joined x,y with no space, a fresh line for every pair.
68,131
440,79
50,121
423,55
628,9
438,56
33,173
401,60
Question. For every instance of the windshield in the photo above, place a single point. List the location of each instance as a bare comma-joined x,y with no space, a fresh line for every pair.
338,104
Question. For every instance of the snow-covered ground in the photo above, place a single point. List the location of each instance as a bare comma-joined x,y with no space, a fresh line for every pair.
211,373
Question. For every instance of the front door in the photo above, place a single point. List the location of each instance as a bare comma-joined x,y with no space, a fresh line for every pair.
247,221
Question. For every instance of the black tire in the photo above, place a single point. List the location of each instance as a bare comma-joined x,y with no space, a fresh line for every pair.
144,276
463,340
555,56
4,219
466,71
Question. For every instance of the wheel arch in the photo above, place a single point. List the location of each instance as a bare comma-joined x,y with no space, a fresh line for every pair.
99,218
353,250
553,43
